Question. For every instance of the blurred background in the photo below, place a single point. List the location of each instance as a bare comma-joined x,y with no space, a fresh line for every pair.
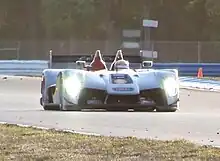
164,30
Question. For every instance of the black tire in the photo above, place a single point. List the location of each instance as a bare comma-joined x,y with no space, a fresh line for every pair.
51,107
166,109
46,108
151,109
72,108
162,105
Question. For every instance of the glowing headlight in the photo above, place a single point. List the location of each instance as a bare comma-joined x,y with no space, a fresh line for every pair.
72,86
170,86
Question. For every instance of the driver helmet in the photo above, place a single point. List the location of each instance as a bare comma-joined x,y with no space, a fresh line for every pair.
121,64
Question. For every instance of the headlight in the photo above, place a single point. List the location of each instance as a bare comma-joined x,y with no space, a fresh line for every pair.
72,86
171,86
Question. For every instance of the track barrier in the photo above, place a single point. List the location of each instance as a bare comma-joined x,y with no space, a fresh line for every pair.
186,71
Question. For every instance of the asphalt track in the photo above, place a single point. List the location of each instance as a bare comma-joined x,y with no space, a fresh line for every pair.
198,119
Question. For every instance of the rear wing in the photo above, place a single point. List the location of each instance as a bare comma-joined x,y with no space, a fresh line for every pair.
88,58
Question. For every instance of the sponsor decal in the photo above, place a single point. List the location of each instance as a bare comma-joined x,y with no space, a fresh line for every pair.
118,76
123,89
121,79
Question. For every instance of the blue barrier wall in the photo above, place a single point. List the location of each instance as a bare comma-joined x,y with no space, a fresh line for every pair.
22,67
191,69
35,67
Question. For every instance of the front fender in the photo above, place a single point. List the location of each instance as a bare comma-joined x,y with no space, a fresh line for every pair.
50,76
165,74
175,71
148,80
94,81
48,79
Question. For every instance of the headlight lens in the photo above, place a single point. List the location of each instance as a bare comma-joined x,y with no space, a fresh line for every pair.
72,86
170,86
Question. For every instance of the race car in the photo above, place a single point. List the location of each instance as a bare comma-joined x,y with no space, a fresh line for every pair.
69,85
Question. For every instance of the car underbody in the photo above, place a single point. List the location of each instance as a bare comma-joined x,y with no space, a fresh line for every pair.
152,95
147,100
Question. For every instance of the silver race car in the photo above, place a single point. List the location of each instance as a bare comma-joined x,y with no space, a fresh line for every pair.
70,84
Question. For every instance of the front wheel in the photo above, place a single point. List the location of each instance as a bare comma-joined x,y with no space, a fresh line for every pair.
166,109
172,108
150,109
52,107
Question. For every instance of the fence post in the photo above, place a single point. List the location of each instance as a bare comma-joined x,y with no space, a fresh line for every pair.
152,50
199,51
18,50
50,58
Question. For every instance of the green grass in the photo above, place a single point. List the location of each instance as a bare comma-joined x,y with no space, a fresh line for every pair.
212,78
209,78
17,143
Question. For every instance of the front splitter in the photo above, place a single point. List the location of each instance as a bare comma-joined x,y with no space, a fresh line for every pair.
119,106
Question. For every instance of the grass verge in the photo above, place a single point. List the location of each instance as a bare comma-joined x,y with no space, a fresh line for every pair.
211,78
18,143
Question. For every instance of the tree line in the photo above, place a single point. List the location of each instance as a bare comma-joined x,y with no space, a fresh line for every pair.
185,20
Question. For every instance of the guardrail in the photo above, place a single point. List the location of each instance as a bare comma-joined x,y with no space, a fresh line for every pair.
35,67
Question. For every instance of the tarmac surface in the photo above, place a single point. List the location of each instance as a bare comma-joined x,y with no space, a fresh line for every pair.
198,119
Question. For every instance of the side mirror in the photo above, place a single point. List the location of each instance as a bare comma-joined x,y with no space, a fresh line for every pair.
80,64
147,64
